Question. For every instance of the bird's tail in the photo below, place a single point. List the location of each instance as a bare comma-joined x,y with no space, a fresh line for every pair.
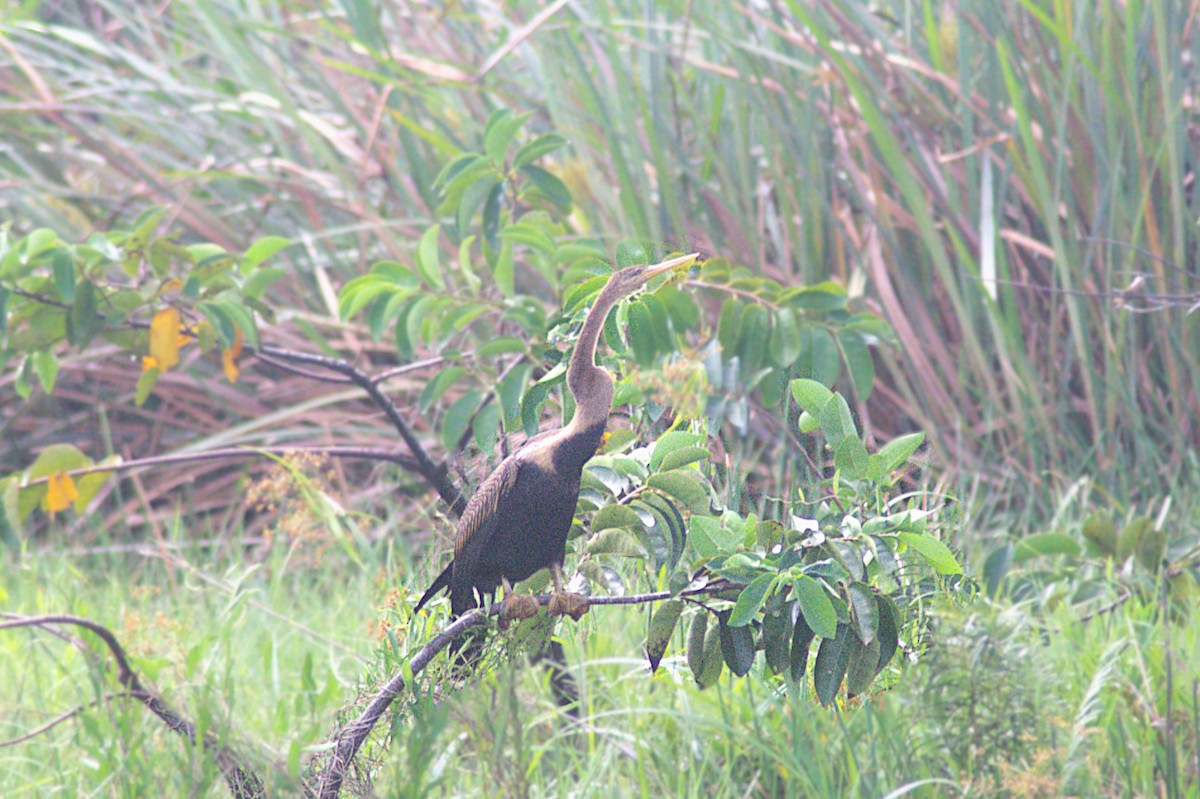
442,581
467,649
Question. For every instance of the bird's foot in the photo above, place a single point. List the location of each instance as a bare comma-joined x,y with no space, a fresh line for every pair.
566,603
515,607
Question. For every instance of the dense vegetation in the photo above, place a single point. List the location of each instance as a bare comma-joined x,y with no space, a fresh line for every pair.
975,221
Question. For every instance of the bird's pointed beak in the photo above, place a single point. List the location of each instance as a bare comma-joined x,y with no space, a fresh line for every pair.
681,262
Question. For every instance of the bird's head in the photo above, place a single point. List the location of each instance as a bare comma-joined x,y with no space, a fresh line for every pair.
633,278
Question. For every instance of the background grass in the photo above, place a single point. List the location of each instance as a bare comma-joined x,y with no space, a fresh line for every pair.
992,178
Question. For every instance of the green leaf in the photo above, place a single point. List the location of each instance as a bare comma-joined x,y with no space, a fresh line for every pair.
713,662
429,263
802,636
262,249
728,327
709,538
548,186
695,643
750,601
896,452
866,611
12,528
485,426
935,553
785,338
641,334
815,606
753,338
259,281
685,485
63,269
88,485
502,126
458,419
456,167
850,458
681,309
1131,536
480,190
832,659
1151,549
509,392
4,295
821,298
613,515
737,645
685,456
860,670
858,360
658,634
530,236
436,387
45,364
616,541
811,395
889,632
818,355
1102,532
776,636
1039,544
503,271
533,150
503,345
671,442
145,385
837,423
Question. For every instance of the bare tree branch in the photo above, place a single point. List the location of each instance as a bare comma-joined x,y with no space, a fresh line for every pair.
437,476
364,453
242,782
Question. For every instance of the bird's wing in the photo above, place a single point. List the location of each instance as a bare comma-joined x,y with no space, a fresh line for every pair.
478,522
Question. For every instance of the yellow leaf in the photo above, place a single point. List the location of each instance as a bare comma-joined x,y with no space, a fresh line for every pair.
149,362
164,338
60,492
230,357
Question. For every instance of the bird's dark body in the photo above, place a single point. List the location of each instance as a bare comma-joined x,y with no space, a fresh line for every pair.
518,520
522,514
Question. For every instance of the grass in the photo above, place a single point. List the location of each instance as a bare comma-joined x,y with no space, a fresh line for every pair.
1011,698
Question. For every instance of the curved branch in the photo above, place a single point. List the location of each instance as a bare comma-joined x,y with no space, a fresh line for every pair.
350,738
438,476
242,782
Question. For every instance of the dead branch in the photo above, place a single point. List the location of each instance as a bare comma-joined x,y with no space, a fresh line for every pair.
243,784
437,476
347,741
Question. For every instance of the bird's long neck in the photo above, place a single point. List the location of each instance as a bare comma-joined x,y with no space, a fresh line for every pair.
591,385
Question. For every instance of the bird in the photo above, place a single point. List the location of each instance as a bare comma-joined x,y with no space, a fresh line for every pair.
516,523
